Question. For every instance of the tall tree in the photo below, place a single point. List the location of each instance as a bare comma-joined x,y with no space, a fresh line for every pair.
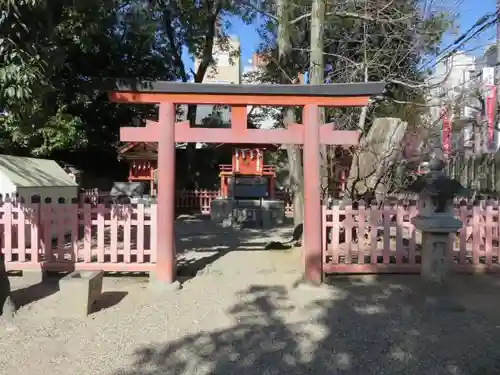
51,83
317,70
366,41
197,27
288,75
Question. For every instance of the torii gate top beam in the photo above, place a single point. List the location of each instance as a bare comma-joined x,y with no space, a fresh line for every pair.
326,95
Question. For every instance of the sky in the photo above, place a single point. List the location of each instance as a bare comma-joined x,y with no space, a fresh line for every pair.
469,11
249,41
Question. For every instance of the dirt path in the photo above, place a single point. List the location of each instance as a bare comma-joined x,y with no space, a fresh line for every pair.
244,315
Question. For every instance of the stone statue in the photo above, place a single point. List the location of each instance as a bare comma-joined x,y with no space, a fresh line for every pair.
435,188
436,218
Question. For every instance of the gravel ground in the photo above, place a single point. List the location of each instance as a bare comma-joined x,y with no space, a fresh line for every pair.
244,315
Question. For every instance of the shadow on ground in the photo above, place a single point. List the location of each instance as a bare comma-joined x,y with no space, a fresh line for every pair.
200,242
28,294
108,299
386,325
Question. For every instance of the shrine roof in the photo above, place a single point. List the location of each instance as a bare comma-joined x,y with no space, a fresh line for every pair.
262,146
147,150
168,87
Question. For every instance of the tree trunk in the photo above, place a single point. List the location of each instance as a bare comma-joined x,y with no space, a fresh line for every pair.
351,188
296,173
294,153
7,307
317,72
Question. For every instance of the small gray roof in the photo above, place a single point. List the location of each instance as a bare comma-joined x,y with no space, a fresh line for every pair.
32,172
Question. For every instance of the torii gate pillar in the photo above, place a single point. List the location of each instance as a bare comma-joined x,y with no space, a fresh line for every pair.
166,255
313,256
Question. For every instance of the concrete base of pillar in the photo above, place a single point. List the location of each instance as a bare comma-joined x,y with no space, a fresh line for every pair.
159,286
436,231
434,264
309,285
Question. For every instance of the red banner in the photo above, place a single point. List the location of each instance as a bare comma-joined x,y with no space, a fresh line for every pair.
490,114
446,131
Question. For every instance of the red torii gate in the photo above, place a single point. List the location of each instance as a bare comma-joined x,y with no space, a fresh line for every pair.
311,134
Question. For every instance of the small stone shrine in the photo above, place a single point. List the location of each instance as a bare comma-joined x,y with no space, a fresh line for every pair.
436,219
127,192
248,192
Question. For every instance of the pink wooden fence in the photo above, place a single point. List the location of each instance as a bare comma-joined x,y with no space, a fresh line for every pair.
69,236
383,240
200,200
185,200
122,238
195,200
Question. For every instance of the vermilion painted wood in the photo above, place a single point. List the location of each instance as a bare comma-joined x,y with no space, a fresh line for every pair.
374,224
67,256
154,233
470,254
400,227
387,233
165,242
87,230
476,236
69,267
489,235
312,194
61,222
413,235
100,233
46,226
155,98
140,234
348,226
293,135
114,233
7,222
127,226
361,232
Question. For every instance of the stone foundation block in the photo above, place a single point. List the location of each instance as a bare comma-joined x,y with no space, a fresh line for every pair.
159,286
80,290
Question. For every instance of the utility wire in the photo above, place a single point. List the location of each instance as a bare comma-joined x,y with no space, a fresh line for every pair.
482,24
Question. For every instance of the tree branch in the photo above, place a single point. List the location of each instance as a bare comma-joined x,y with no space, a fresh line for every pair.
209,43
364,17
174,48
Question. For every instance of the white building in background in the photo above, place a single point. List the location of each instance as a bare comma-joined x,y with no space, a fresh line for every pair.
250,71
458,80
453,77
228,68
228,71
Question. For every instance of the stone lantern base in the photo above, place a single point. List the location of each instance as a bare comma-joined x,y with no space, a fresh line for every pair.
436,231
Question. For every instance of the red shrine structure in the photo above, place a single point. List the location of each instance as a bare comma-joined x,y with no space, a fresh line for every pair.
248,160
310,134
142,161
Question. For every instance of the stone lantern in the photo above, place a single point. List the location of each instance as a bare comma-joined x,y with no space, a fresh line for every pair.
436,218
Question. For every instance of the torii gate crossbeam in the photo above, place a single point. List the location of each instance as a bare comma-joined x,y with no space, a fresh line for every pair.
311,134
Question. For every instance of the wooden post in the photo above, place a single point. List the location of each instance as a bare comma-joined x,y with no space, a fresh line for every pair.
165,261
312,196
